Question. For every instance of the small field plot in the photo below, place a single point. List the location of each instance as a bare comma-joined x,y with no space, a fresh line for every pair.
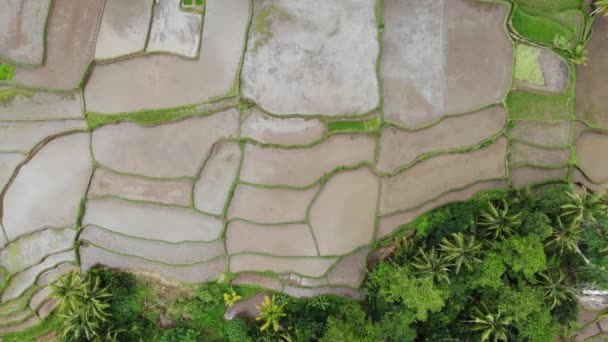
165,81
24,135
591,98
526,154
590,148
193,3
91,255
541,133
108,183
21,104
29,250
279,240
427,180
266,205
539,69
212,189
306,266
429,74
47,190
70,40
545,27
178,155
20,282
168,253
391,223
22,30
529,175
294,167
550,5
124,28
342,217
523,105
449,134
312,57
174,30
283,131
150,221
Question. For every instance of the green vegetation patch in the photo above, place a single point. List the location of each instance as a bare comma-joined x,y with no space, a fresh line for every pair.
550,5
263,21
193,3
147,118
527,64
542,29
368,125
6,72
523,105
50,324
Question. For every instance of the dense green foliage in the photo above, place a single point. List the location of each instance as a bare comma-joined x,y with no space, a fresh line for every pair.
499,267
503,272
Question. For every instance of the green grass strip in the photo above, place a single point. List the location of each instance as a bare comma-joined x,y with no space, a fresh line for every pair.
524,105
550,5
53,322
147,118
368,125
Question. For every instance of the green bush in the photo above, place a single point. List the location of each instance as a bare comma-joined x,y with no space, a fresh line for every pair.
179,335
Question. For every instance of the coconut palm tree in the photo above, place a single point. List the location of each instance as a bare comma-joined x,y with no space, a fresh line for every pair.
271,313
431,264
493,326
565,237
83,305
498,222
584,206
76,326
461,250
95,300
67,290
601,7
405,249
554,290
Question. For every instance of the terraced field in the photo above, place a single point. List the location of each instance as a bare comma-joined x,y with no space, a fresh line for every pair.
273,142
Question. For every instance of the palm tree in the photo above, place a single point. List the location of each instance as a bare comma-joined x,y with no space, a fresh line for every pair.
493,327
432,264
83,305
601,7
271,313
75,326
404,249
95,300
584,207
461,250
499,223
67,289
566,238
554,290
